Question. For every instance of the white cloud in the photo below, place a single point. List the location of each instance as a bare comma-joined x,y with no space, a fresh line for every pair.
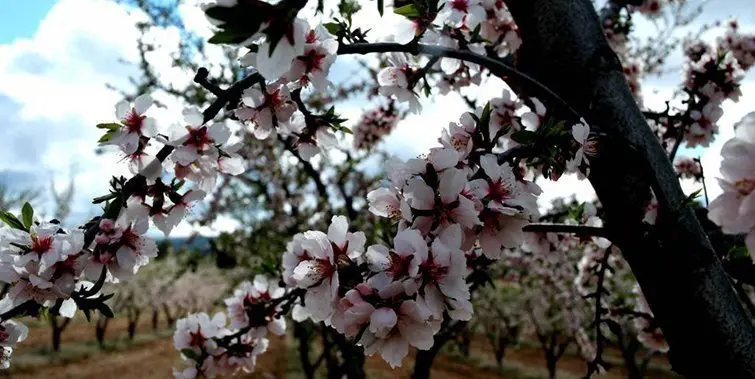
53,92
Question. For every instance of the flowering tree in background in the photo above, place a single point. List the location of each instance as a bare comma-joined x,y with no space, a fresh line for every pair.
382,266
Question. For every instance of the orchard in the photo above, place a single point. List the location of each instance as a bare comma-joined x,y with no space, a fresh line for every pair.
431,250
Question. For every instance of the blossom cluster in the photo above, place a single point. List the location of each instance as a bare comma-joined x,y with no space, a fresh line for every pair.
621,292
300,62
230,341
547,265
733,209
374,125
44,264
49,266
454,25
652,8
466,201
688,168
451,207
712,76
741,46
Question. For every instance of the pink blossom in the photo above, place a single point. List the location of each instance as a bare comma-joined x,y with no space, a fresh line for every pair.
134,124
733,209
394,81
247,296
266,108
411,327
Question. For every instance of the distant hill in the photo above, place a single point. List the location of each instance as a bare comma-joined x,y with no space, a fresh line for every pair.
200,243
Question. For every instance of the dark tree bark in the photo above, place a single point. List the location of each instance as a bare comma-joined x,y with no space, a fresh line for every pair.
553,346
57,330
424,359
352,357
331,362
133,320
685,284
155,319
100,329
500,350
628,344
465,342
168,316
303,335
629,354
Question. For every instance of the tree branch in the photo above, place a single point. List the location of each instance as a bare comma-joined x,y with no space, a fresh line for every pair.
496,66
308,168
580,230
707,329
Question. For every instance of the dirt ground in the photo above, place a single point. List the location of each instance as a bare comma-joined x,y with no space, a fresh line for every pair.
151,356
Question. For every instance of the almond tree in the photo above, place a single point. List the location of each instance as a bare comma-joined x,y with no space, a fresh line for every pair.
447,215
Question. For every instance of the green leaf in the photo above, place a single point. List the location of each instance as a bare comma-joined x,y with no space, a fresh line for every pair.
483,124
380,4
109,126
106,137
229,36
408,10
332,27
178,185
191,354
104,198
27,214
692,198
11,220
269,266
523,137
341,128
738,252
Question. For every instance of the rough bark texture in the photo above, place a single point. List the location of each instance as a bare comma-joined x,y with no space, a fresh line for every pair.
683,280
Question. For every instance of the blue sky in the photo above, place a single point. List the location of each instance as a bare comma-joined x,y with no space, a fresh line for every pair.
56,58
22,18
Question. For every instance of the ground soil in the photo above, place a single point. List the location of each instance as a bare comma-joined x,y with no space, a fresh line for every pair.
153,356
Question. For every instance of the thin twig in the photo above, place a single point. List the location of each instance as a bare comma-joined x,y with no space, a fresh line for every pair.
496,66
581,230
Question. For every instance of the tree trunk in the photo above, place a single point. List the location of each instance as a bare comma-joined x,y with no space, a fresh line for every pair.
500,351
168,317
550,363
466,342
100,328
57,331
331,362
684,282
155,319
131,330
56,334
99,333
629,354
424,360
303,336
351,355
133,319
